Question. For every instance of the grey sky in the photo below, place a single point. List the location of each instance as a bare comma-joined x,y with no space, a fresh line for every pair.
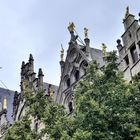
40,26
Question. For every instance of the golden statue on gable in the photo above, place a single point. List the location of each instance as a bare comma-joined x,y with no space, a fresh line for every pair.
71,26
104,49
86,32
127,12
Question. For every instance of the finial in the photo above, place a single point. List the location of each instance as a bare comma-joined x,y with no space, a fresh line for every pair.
22,65
31,57
118,41
104,49
127,12
119,45
40,73
86,32
71,27
62,53
5,103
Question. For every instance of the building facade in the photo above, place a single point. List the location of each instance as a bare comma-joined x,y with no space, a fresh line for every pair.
129,50
79,56
6,111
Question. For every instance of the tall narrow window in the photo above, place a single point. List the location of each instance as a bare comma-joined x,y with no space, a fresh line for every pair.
134,54
68,82
126,60
77,75
70,106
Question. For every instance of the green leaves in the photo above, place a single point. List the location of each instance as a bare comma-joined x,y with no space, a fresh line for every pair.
108,105
105,108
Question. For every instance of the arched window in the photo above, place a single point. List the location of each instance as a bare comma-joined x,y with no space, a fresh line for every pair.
83,67
68,82
70,106
77,75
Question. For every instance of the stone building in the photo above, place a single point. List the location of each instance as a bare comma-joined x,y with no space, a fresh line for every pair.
34,84
79,56
6,109
129,52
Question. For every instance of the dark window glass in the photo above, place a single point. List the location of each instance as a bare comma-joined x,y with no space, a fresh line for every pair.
70,107
68,82
134,54
126,60
77,76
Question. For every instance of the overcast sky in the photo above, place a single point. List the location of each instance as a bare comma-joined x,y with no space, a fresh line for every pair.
40,26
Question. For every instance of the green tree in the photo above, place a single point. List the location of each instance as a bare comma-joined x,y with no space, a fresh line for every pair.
106,107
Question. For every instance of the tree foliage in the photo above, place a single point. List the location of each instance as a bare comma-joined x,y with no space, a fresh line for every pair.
106,107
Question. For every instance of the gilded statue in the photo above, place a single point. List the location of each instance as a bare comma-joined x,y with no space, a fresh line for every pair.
104,49
127,12
86,32
71,27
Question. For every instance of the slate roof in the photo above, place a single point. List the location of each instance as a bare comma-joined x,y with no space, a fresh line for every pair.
9,94
97,55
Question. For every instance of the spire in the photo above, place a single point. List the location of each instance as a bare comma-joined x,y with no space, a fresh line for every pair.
104,49
31,57
5,103
87,41
40,73
22,65
127,12
31,63
40,79
62,53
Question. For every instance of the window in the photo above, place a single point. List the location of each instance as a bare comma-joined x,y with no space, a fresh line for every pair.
130,34
68,82
126,60
77,75
134,54
70,106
